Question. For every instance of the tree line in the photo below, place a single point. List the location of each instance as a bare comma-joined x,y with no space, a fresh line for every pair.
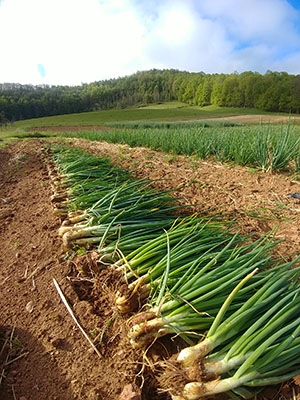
273,91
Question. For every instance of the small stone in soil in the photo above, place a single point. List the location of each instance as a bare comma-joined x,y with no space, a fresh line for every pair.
29,306
130,392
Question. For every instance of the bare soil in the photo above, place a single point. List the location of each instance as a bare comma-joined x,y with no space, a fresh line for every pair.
56,361
257,118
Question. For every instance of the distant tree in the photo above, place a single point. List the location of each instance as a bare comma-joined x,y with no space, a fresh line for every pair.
216,94
274,91
3,120
204,91
295,94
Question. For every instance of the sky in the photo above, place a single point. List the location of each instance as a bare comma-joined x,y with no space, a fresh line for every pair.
70,42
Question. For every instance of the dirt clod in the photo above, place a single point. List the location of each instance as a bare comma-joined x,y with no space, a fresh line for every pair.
130,392
6,214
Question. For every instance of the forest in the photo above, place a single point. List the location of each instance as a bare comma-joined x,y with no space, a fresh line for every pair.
273,91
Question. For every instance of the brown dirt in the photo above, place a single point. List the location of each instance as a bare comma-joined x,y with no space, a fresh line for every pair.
57,362
257,118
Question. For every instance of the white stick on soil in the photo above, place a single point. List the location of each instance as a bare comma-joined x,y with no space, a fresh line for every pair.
64,300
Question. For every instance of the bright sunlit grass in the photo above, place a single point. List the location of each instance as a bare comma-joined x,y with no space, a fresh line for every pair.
9,135
171,111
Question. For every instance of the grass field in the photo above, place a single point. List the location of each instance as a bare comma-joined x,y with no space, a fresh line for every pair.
174,111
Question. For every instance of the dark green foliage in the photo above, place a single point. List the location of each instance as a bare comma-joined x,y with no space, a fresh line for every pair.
173,125
32,135
274,91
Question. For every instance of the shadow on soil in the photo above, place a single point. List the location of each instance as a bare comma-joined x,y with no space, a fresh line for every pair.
35,374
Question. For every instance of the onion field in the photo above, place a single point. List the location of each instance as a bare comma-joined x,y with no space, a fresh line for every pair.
189,276
266,147
173,244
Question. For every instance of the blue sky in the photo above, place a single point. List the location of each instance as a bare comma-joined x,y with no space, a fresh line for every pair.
70,42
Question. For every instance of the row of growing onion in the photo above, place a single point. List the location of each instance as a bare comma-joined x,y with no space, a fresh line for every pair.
267,147
173,125
184,275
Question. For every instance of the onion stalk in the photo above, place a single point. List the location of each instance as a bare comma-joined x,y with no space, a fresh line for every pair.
192,302
257,345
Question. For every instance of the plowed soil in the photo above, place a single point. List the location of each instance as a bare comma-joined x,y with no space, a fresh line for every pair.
55,361
257,118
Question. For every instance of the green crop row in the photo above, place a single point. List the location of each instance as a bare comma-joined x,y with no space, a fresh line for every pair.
175,125
267,147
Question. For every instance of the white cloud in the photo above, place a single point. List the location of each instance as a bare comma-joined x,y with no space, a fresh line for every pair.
267,20
75,41
182,39
83,41
290,63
